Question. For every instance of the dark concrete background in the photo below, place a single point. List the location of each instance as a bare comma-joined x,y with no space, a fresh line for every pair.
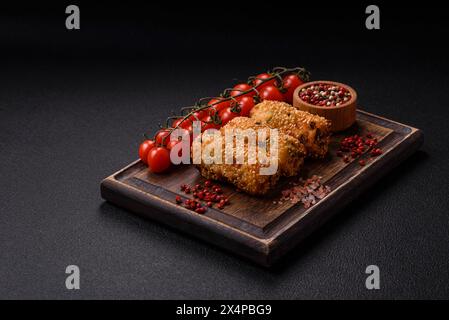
73,106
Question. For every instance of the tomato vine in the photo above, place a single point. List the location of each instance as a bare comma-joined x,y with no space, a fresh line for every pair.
276,74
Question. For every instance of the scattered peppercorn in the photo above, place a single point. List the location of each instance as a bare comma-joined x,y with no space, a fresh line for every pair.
376,152
357,145
207,192
325,95
200,210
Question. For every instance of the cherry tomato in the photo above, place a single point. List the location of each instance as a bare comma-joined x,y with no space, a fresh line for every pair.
173,143
162,137
271,93
239,88
177,122
211,112
208,123
211,126
219,105
227,115
245,104
159,159
188,131
197,115
260,79
186,124
144,148
291,82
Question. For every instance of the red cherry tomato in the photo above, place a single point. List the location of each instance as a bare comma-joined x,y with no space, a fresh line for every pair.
218,106
188,126
245,104
291,82
227,115
144,148
173,143
271,93
182,135
182,124
177,122
259,81
162,137
239,88
197,115
159,159
208,123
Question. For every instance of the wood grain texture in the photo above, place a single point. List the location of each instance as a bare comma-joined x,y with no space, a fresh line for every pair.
260,228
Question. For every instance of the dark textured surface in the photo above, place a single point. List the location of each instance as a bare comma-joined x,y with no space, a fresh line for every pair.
72,113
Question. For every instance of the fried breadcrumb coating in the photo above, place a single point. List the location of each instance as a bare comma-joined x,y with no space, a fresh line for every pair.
246,176
311,130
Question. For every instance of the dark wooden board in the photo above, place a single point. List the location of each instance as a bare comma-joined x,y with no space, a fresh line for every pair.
261,228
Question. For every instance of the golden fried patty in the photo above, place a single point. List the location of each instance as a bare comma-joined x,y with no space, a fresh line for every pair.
247,176
310,129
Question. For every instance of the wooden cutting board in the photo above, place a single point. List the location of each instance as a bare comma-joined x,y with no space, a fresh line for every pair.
261,228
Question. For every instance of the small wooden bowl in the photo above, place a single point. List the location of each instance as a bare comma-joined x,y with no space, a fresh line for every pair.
342,117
